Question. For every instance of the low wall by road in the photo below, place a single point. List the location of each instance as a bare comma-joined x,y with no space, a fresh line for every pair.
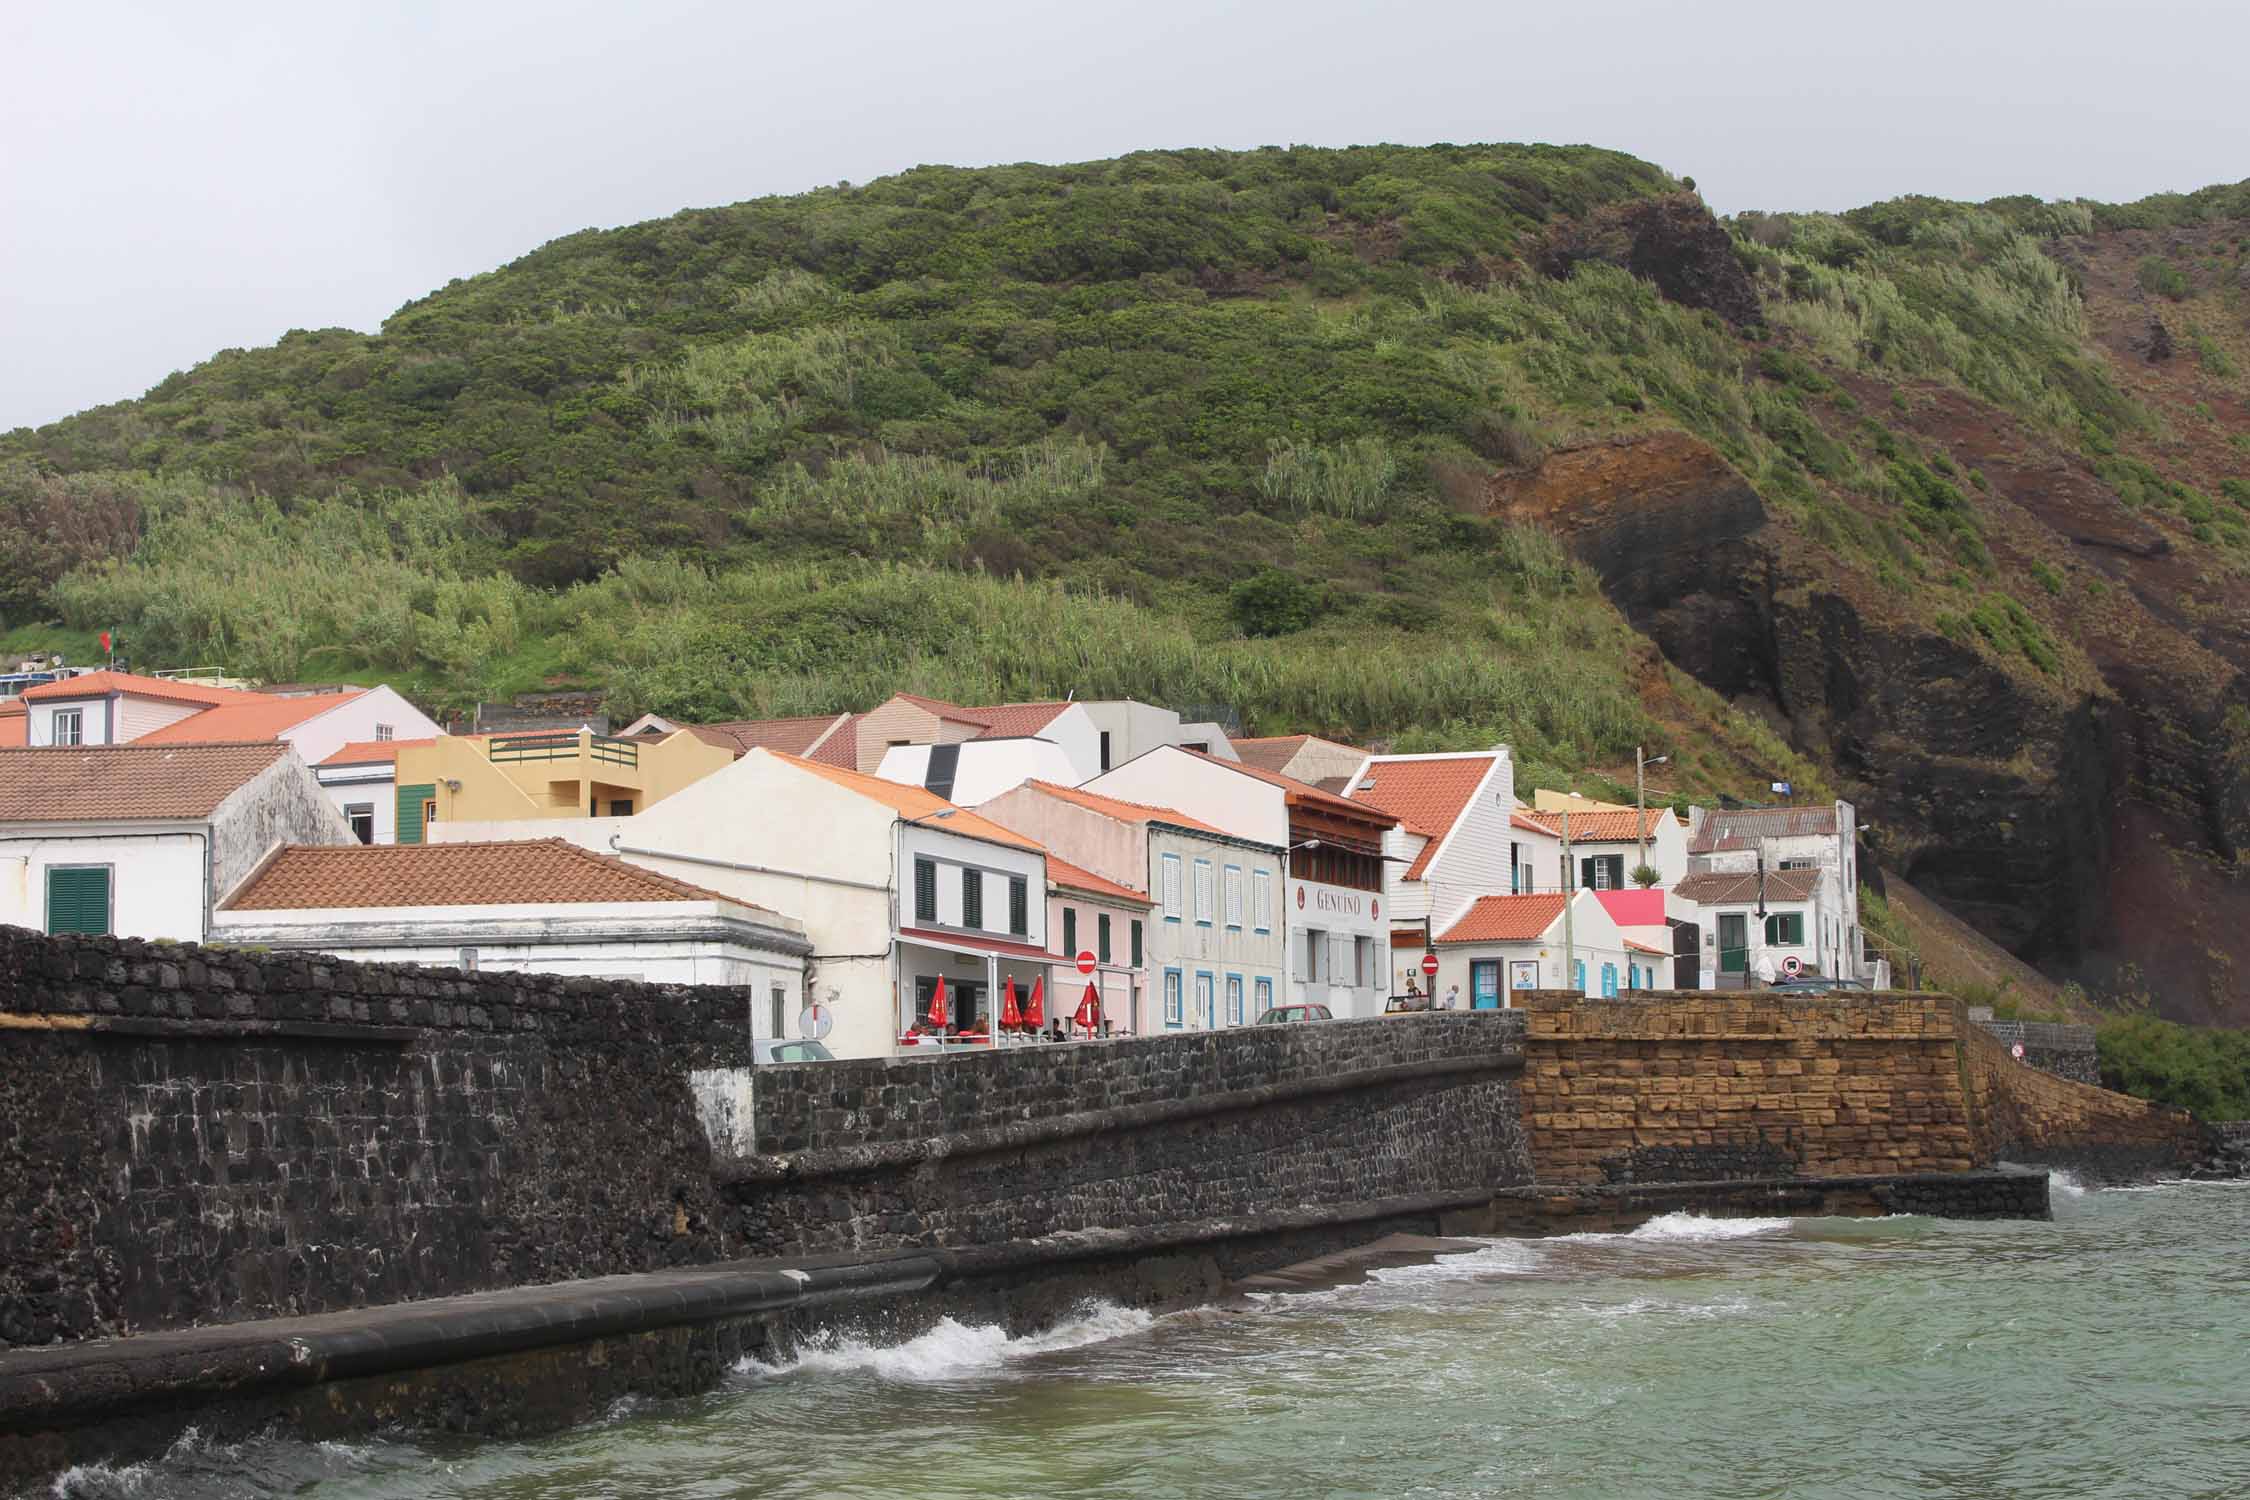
2065,1051
1693,1086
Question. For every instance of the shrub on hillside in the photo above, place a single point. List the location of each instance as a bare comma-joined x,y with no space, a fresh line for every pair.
1505,437
2204,1070
1273,603
2161,278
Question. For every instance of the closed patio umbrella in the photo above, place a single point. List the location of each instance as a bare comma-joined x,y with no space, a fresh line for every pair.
938,1016
1035,1014
1089,1011
1011,1017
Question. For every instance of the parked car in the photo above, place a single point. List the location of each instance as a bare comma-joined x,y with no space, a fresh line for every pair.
1811,986
781,1050
1303,1012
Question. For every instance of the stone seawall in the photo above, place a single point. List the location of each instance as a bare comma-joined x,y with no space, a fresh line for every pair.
1693,1086
1114,1137
197,1135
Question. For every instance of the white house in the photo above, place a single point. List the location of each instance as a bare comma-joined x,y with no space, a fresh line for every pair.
115,708
1607,844
1217,943
1333,911
1095,919
118,708
975,771
1816,848
140,840
1498,944
361,778
541,906
1454,840
896,888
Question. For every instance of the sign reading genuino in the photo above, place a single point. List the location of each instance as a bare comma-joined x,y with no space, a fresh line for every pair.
1338,901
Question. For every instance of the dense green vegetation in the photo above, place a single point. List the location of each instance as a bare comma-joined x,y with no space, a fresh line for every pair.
1203,426
2201,1069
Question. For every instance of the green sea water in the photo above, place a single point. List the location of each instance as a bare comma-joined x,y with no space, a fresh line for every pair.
2106,1353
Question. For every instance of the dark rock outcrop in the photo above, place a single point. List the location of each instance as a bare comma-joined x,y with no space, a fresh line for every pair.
1672,242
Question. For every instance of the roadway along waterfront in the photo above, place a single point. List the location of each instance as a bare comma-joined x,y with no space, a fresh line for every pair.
2104,1354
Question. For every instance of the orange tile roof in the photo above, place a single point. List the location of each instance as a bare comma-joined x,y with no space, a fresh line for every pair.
1523,820
842,747
1600,827
944,710
258,718
101,684
1123,811
374,752
794,736
15,725
1426,795
1063,873
1009,720
914,802
1268,752
129,783
529,872
1506,919
1637,944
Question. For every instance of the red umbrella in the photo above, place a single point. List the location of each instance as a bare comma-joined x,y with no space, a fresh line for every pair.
938,1016
1035,1014
1089,1010
1010,1016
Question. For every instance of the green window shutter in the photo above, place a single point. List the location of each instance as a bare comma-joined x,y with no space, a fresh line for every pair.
1101,933
925,890
1070,932
1136,944
972,898
1019,908
78,899
410,800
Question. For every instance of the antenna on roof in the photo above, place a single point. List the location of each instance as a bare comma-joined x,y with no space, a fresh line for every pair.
1071,696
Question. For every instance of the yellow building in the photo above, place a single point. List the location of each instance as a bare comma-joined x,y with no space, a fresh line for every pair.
506,778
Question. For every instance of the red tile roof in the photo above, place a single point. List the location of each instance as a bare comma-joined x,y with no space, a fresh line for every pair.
1742,890
529,872
1063,873
944,710
257,717
840,748
1600,827
914,802
375,752
1428,796
15,725
1123,811
126,783
102,684
794,736
1639,946
1742,827
1506,919
1011,720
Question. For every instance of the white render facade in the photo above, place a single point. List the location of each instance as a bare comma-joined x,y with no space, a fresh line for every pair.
1217,933
1823,840
1125,729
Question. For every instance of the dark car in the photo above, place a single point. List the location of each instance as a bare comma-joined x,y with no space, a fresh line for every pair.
1306,1012
1814,986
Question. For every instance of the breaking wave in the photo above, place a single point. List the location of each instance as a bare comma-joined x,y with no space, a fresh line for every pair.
951,1350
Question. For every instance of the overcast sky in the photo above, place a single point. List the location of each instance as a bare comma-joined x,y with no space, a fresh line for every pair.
176,179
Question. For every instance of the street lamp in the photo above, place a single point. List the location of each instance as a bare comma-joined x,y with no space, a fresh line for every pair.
1641,763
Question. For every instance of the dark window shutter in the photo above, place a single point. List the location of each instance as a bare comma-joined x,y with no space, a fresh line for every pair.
1019,908
410,800
1101,932
972,898
1070,932
1136,944
78,900
925,890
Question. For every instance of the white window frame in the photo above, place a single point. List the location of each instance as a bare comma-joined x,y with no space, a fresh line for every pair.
1235,1001
1203,893
1206,1000
75,718
1170,864
1174,999
1232,895
1261,899
356,810
385,732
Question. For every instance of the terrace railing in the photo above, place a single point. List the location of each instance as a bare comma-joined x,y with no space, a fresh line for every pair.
605,749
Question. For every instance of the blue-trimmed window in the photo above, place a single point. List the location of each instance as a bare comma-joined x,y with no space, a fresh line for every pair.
1230,896
1264,993
1234,1000
1206,1000
1609,980
1578,976
1172,1009
1261,900
1203,893
1170,865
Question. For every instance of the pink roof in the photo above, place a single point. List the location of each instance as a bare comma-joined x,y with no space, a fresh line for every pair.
1633,908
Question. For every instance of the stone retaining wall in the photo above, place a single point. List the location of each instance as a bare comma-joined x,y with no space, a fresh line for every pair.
2065,1051
2024,1114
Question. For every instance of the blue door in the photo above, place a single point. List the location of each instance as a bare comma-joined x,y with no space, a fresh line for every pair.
1484,984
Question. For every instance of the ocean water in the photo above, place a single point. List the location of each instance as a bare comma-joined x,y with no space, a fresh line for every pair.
2104,1354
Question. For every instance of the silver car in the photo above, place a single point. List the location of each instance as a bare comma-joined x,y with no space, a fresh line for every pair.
781,1050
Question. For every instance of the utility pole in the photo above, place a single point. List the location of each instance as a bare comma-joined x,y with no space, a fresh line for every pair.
1641,763
1569,891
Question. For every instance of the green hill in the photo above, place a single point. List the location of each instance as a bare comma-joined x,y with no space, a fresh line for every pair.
1437,445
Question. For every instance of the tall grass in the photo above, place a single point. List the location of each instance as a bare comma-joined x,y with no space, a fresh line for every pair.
1352,480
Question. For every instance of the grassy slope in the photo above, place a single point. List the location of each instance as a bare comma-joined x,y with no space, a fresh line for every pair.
1023,431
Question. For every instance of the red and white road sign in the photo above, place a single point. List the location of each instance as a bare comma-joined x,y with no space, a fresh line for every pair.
1085,960
1429,964
1791,966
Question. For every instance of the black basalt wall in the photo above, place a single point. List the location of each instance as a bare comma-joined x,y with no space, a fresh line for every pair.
194,1135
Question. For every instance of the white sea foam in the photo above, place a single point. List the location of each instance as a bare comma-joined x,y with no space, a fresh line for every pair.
2064,1184
1690,1228
1494,1258
952,1350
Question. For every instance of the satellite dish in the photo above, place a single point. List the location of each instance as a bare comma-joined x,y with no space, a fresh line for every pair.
815,1021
